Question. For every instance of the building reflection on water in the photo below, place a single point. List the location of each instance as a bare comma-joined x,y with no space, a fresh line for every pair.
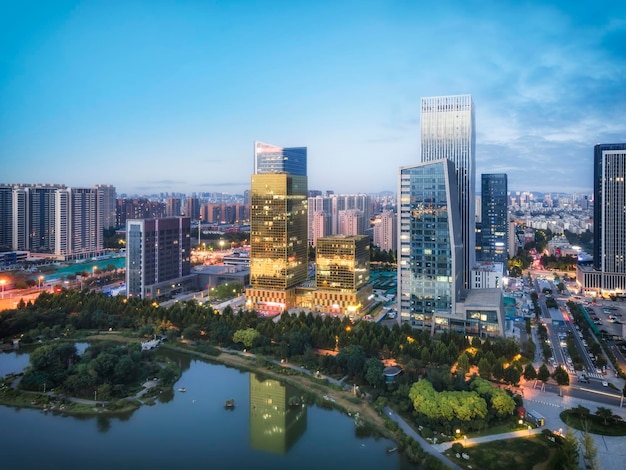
277,415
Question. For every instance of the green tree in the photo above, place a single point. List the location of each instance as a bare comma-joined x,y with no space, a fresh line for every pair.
374,373
589,450
569,451
247,337
484,368
605,414
543,374
463,362
561,376
529,372
502,403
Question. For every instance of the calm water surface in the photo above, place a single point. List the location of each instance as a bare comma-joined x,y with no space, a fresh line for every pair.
193,429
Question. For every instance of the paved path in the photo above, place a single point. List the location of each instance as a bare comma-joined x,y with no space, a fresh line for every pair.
428,448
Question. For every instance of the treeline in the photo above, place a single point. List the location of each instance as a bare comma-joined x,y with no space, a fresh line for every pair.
353,349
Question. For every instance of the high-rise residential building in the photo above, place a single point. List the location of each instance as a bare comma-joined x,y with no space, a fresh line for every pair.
173,207
192,208
273,159
342,274
158,257
278,240
6,217
494,218
106,204
350,222
138,208
430,252
608,274
386,231
51,220
320,217
448,131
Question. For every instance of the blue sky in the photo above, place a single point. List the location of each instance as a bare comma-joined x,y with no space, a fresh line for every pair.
158,96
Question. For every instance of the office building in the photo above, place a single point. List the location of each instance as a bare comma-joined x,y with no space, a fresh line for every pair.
607,276
494,218
278,240
6,218
273,159
342,274
158,257
430,252
448,131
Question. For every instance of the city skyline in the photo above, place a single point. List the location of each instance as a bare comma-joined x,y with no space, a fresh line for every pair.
171,98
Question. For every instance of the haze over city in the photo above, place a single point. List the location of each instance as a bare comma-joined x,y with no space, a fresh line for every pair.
154,97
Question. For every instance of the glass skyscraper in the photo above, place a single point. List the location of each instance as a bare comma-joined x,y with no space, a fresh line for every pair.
278,227
430,245
448,131
274,159
494,224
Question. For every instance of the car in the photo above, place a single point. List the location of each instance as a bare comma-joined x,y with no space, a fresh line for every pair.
605,383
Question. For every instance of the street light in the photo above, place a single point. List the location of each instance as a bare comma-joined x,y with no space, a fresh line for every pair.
3,282
40,279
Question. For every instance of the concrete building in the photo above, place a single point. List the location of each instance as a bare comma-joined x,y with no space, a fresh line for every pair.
385,231
608,275
350,222
158,257
487,275
106,202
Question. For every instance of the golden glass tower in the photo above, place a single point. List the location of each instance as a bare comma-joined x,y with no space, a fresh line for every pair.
278,240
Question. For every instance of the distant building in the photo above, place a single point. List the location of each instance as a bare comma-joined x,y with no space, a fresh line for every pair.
342,274
138,208
173,208
385,231
158,257
51,220
350,222
106,202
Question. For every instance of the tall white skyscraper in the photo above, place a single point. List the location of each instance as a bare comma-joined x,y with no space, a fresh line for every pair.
448,131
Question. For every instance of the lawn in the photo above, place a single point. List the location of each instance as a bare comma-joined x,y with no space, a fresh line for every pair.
514,454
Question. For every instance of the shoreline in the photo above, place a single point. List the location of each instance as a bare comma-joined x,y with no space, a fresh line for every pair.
327,393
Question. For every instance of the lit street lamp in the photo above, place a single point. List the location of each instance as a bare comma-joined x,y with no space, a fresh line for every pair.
3,282
40,279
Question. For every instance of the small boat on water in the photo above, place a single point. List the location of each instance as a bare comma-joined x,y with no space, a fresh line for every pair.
182,389
229,404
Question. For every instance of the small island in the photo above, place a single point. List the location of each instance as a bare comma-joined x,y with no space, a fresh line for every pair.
107,377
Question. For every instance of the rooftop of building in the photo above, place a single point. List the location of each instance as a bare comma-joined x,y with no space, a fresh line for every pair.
481,298
489,266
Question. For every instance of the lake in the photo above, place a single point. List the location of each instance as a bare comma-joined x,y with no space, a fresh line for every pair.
266,429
